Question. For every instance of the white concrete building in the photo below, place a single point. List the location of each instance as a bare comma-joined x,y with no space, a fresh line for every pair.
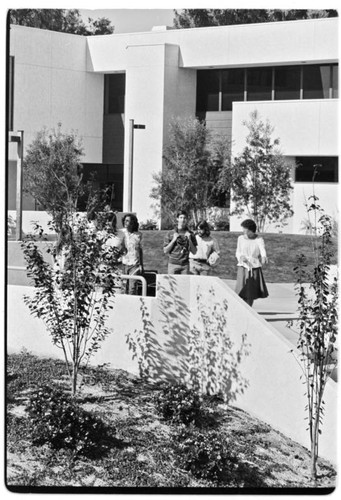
288,71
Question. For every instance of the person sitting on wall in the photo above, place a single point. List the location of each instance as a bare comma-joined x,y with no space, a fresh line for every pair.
178,244
251,255
207,253
133,258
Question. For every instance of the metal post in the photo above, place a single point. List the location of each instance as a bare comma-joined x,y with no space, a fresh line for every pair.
131,161
20,155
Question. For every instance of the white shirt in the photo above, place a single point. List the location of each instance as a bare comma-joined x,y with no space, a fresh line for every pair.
132,242
252,249
206,245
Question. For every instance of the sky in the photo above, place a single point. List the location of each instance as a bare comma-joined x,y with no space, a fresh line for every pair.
130,20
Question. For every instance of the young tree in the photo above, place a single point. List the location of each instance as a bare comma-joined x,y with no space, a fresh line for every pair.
73,296
189,178
67,21
261,182
318,321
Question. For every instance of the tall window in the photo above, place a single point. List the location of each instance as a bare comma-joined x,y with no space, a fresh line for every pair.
232,87
316,81
327,168
287,82
208,87
10,83
335,80
114,93
259,84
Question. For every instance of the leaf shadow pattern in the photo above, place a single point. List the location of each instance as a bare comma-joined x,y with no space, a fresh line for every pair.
194,344
214,358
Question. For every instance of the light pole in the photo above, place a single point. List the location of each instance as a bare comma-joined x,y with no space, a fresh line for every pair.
19,139
132,126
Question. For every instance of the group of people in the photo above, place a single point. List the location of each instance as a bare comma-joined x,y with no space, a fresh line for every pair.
188,252
197,253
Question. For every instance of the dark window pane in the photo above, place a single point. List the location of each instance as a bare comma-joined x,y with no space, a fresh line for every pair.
208,90
106,177
10,84
114,93
232,87
316,82
335,80
287,82
259,84
327,168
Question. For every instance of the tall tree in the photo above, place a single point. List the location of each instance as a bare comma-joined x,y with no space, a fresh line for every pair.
196,18
67,21
52,172
191,170
260,177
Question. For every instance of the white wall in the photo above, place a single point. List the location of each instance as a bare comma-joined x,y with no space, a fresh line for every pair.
275,392
52,85
240,45
328,198
304,127
144,104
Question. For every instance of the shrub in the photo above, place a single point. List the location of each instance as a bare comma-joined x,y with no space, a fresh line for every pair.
222,225
178,404
148,225
55,418
26,371
209,455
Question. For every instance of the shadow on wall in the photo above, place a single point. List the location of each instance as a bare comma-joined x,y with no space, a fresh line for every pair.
195,346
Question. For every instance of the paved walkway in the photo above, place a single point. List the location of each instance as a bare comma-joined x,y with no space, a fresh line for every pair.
279,308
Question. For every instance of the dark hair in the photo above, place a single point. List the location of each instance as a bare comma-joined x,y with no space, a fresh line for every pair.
204,225
249,224
182,212
134,222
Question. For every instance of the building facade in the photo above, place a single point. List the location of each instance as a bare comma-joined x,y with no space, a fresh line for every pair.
120,93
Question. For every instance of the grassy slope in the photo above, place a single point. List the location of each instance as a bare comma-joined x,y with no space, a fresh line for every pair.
146,455
281,249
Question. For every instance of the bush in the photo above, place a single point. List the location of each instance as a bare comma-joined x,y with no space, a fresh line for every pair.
148,225
210,456
58,420
26,371
178,404
222,225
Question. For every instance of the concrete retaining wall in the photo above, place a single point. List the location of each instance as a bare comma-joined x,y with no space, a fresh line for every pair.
193,311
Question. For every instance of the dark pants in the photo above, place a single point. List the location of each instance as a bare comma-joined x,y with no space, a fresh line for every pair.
178,268
132,285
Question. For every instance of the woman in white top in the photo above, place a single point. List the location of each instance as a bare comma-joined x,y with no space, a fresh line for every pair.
207,251
251,255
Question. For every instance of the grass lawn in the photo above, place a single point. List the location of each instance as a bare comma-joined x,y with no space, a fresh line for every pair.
143,449
282,250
